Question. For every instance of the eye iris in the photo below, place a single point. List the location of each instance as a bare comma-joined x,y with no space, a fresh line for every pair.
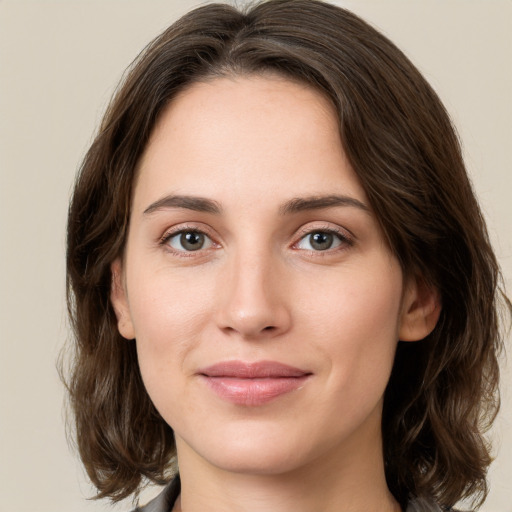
321,241
192,241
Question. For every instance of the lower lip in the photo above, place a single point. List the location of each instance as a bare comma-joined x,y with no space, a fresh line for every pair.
253,392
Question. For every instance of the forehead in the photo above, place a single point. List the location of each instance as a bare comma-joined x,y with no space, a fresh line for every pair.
266,134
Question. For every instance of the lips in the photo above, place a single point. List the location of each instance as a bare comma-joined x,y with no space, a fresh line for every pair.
252,384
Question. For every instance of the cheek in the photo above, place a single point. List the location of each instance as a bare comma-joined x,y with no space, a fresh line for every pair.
363,301
356,324
167,306
169,313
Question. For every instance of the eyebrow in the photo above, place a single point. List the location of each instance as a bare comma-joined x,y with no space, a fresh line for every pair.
300,204
295,205
198,204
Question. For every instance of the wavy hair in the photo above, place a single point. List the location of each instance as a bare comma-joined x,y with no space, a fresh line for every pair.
442,395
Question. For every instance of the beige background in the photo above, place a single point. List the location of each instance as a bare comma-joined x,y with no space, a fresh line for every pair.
59,63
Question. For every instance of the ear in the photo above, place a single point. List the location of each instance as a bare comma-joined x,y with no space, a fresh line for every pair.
421,307
119,301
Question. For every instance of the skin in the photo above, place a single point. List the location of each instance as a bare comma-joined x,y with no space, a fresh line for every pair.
258,289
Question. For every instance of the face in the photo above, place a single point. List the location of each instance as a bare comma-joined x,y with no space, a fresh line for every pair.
265,304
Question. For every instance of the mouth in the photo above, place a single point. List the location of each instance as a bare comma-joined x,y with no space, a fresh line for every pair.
253,384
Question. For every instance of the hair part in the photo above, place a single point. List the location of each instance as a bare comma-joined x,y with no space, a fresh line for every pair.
442,395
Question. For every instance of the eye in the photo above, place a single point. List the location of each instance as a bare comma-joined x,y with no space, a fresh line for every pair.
188,241
321,240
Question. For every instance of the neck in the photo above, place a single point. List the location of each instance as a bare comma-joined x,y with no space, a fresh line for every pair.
348,479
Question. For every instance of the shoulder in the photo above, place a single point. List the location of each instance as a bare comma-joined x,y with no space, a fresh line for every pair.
164,502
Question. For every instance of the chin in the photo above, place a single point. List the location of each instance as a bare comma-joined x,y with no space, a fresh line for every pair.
245,450
252,461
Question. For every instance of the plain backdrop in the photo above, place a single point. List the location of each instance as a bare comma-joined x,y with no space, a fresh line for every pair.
59,64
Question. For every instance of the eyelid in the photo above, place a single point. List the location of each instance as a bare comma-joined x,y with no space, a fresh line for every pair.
183,228
346,237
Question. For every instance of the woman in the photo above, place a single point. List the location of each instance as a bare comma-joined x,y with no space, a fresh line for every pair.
279,277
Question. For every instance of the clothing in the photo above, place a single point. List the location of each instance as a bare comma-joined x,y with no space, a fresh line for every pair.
166,499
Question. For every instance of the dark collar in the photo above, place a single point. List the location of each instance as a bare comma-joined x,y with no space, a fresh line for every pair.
165,500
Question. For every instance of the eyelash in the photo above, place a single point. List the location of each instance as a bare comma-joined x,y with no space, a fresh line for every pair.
345,240
164,240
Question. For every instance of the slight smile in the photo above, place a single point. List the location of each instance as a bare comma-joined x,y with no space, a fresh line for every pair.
252,384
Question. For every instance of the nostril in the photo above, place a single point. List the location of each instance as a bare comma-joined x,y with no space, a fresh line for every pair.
269,328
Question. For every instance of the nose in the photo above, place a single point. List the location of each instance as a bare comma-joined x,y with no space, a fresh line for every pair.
253,298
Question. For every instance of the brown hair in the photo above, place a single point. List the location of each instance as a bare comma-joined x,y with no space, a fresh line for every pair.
442,394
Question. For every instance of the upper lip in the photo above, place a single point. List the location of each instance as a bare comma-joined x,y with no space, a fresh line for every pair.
252,370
